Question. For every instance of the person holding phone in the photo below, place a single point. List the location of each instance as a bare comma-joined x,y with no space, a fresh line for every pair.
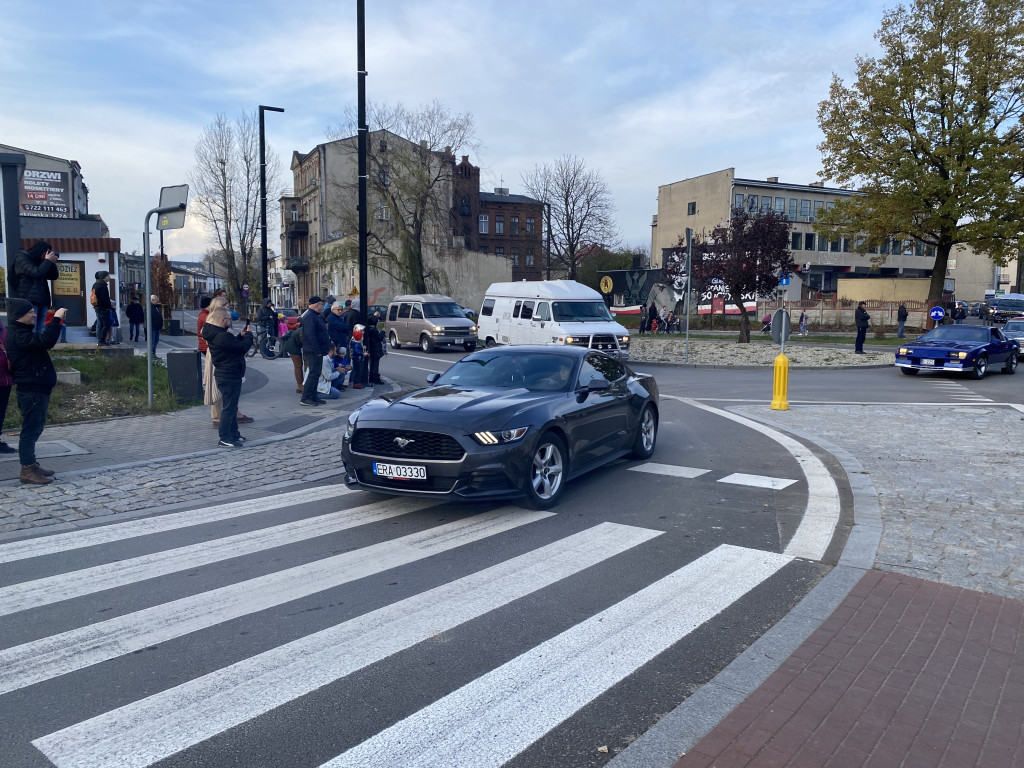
32,370
227,352
33,271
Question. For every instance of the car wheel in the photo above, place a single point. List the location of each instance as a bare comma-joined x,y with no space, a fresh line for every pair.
980,367
1011,364
393,340
646,434
547,473
469,347
490,342
426,343
908,371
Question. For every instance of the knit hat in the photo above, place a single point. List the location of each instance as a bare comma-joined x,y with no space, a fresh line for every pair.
357,334
18,308
330,299
101,275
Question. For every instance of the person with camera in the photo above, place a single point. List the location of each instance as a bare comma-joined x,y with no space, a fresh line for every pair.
33,271
33,372
227,353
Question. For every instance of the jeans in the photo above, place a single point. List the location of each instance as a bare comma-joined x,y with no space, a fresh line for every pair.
156,340
33,406
102,326
314,363
358,371
40,318
133,331
899,327
230,391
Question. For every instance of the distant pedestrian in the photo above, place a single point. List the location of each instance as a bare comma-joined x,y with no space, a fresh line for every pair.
862,319
32,370
337,329
103,307
315,344
228,354
137,318
33,271
328,306
373,341
901,319
329,373
803,322
266,318
292,344
959,314
157,321
643,318
5,387
357,356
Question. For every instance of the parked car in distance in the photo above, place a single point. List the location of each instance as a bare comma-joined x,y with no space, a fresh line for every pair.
428,320
961,349
1014,329
975,310
1002,308
503,423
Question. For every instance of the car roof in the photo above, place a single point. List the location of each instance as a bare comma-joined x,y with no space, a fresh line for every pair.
537,349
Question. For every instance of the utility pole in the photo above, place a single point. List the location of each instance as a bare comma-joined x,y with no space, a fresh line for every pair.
364,130
263,202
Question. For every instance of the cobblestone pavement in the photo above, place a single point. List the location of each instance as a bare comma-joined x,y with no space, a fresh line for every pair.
727,353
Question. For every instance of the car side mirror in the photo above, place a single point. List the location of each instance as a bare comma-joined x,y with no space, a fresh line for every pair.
432,377
596,385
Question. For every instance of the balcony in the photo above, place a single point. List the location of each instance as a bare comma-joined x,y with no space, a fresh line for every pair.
296,229
296,264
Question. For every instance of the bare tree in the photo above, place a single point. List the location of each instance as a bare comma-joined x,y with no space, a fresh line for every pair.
581,210
410,164
225,183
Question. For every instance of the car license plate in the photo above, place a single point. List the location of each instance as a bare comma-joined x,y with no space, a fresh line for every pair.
926,361
399,471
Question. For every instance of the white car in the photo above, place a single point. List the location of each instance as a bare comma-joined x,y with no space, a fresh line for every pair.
1014,329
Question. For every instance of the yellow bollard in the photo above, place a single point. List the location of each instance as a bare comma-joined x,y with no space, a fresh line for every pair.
779,402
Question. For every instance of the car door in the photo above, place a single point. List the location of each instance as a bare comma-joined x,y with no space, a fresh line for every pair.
523,315
1000,346
600,419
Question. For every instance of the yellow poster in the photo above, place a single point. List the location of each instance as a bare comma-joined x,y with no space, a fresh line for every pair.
69,283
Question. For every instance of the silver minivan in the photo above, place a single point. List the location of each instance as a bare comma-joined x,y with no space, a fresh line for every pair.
428,320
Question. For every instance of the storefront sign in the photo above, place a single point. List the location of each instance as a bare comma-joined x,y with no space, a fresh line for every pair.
69,281
46,194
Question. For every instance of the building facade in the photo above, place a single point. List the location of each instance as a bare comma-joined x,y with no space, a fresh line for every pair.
704,202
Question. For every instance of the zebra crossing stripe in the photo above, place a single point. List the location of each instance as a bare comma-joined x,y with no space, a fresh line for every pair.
65,586
89,537
757,481
671,470
161,725
489,721
40,660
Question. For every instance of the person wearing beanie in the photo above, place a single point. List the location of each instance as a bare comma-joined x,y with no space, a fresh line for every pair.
33,271
103,308
33,372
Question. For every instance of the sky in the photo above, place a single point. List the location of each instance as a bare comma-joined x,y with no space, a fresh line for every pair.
646,92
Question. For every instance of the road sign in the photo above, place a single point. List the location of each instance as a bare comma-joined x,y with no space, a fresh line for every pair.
245,293
780,326
784,279
936,313
245,286
169,198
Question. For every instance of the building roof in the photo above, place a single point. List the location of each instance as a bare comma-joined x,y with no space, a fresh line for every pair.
794,187
77,244
490,197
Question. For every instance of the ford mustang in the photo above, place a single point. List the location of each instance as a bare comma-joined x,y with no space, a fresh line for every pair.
960,348
506,422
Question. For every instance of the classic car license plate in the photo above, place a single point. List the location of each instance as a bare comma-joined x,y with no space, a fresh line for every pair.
927,361
399,471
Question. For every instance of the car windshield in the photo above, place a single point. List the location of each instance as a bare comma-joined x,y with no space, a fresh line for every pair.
1008,305
1014,325
581,311
535,372
958,333
442,309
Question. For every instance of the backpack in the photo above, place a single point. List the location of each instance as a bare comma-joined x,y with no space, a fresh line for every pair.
92,298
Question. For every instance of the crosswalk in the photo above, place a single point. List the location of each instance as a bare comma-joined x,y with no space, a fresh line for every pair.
507,570
954,391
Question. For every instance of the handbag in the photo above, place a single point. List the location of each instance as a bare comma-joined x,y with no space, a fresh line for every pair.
211,394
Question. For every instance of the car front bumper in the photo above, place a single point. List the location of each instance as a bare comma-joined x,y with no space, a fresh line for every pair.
939,365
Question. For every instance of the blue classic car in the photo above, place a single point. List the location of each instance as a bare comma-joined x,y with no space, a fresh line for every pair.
960,348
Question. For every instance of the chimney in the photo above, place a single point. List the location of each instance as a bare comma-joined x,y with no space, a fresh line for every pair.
501,191
465,158
816,184
773,179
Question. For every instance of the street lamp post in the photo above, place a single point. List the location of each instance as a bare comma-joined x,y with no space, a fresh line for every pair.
263,201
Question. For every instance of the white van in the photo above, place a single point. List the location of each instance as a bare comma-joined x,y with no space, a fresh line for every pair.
550,312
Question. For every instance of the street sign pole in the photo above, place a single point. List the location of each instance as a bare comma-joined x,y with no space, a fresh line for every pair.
689,290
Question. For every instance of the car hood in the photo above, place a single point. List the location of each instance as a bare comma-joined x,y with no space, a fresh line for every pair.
438,405
961,346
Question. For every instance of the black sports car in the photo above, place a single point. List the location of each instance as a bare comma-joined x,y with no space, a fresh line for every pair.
504,422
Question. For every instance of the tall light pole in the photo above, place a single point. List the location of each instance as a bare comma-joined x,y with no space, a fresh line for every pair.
364,131
263,202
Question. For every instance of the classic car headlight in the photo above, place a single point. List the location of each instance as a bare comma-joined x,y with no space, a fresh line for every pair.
961,355
504,436
904,351
624,339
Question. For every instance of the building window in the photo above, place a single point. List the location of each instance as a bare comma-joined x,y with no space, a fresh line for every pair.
808,241
514,253
382,211
384,176
499,225
466,209
529,225
529,257
766,203
805,209
818,204
797,240
483,249
499,251
691,208
793,203
780,206
738,201
834,246
483,224
751,202
822,243
846,245
514,223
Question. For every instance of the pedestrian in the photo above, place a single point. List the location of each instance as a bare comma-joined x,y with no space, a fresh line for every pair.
357,357
5,387
63,328
228,354
157,321
901,318
100,299
373,342
861,319
282,327
32,370
337,329
766,323
292,345
663,319
266,318
315,344
960,314
803,322
328,306
33,271
643,318
329,373
351,313
137,318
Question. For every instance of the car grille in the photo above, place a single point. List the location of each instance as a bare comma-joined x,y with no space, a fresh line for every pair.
455,332
605,341
424,446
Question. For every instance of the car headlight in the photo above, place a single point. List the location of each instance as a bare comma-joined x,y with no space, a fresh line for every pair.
350,428
904,351
961,355
472,329
438,329
624,339
504,436
568,339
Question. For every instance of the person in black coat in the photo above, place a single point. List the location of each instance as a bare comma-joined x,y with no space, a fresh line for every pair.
373,340
33,269
136,318
315,344
103,307
227,352
157,320
861,319
33,373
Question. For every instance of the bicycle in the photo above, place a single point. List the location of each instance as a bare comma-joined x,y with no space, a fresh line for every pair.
268,346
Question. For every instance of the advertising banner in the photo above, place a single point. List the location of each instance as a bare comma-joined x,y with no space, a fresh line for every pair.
46,194
716,296
69,280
